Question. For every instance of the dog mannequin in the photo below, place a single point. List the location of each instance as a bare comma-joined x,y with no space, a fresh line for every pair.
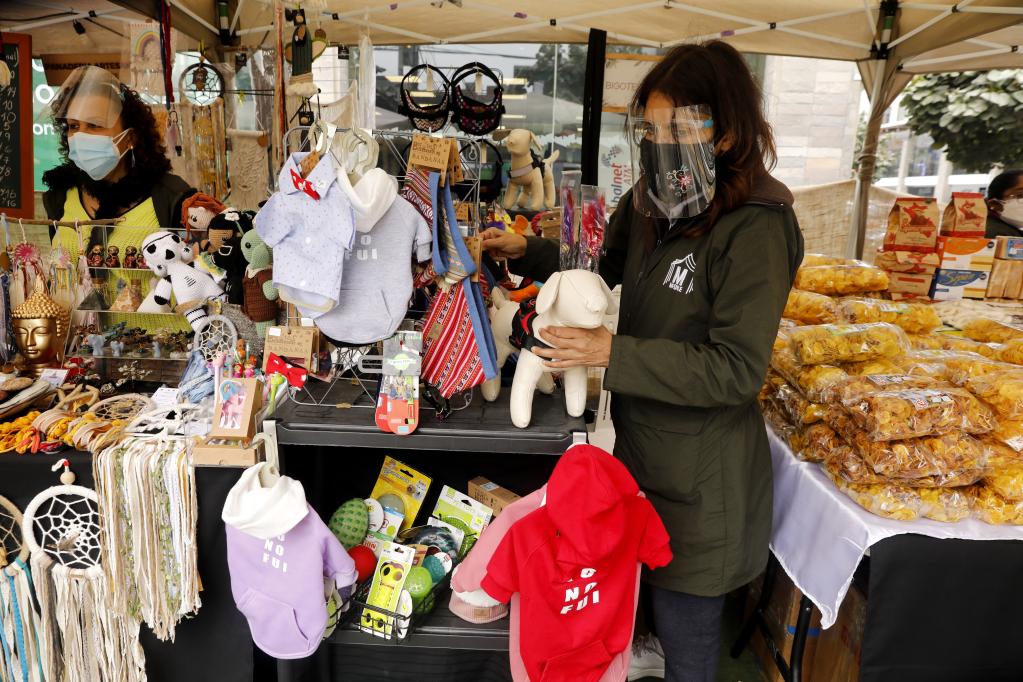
530,186
576,298
501,315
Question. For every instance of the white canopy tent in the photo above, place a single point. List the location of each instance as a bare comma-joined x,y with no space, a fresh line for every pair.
890,40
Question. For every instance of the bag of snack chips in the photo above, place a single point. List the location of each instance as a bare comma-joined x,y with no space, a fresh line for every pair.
915,318
875,366
810,308
944,504
990,507
845,463
908,413
1009,433
810,380
925,341
978,418
798,409
841,280
856,386
830,343
884,499
965,215
814,259
991,351
1012,352
1002,390
1006,481
991,331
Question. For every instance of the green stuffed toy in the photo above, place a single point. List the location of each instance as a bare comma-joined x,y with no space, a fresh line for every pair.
259,300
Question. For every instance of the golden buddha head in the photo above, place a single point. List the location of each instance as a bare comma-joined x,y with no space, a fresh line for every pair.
40,325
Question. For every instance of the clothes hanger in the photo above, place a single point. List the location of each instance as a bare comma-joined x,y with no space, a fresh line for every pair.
359,152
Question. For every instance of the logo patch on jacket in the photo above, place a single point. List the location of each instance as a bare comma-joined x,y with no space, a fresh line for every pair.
680,275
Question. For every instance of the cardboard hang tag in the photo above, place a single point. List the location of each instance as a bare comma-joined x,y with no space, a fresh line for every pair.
429,153
474,244
454,166
297,343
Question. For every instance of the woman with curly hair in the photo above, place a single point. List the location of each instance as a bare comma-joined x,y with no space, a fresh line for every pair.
115,164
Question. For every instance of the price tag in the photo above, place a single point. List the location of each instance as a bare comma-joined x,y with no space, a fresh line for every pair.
463,212
475,247
53,376
431,153
165,397
297,343
454,166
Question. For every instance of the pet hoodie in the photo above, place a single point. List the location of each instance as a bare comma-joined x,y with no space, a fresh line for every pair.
282,559
573,563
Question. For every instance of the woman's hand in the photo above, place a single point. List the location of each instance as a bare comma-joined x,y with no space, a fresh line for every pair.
501,244
576,347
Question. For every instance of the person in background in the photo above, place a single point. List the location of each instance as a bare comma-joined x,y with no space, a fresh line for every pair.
115,165
706,246
1005,205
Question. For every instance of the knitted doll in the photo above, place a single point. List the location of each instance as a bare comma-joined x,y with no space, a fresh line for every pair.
196,213
260,300
225,232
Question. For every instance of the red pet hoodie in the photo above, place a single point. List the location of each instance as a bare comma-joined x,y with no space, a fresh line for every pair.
573,562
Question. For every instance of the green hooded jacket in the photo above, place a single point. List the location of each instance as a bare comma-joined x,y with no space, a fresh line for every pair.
697,324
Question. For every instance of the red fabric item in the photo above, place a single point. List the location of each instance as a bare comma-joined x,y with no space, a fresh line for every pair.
304,185
296,376
573,562
451,358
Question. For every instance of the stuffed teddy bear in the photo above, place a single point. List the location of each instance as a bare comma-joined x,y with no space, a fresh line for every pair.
168,257
502,314
225,235
575,298
531,178
260,295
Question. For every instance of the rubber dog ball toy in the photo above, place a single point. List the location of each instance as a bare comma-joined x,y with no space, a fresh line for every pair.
419,583
350,523
392,501
365,561
435,566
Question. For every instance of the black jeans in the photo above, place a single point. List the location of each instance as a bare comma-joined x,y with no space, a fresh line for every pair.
689,629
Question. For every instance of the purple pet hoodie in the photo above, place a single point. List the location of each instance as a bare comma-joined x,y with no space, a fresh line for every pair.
284,562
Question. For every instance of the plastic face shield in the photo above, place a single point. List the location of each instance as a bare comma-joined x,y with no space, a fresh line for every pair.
90,96
673,157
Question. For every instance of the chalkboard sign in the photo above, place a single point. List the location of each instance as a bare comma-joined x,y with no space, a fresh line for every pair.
16,198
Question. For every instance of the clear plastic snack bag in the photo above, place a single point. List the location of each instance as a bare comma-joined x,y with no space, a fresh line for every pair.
901,414
810,308
832,343
914,318
841,280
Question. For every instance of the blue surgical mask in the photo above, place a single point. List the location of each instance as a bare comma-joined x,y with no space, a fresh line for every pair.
95,154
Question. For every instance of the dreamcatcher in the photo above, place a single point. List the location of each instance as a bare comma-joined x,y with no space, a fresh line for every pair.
201,91
82,640
122,407
217,337
201,84
146,491
20,652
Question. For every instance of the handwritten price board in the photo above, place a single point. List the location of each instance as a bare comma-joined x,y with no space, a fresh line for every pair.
16,199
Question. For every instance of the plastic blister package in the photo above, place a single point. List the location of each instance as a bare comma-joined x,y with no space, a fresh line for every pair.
841,280
1002,390
884,499
944,504
810,308
991,331
990,507
915,318
831,343
907,413
1007,481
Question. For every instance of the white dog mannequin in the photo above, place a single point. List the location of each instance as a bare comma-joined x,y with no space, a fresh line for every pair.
576,298
501,315
528,187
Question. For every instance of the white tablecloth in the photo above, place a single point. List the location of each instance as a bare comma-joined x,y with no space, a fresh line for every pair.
820,535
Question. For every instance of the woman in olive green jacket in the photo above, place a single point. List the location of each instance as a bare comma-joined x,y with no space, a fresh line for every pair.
704,284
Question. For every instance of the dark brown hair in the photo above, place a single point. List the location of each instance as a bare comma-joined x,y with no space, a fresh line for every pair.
715,74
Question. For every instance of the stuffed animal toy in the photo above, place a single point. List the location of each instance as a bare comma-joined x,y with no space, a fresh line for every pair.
502,314
225,236
260,295
531,178
576,298
198,210
168,257
149,304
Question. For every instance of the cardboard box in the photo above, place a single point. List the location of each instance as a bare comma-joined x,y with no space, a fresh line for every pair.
966,253
1009,248
222,453
913,285
238,401
955,285
912,225
909,262
837,656
491,494
1006,279
781,615
925,298
965,215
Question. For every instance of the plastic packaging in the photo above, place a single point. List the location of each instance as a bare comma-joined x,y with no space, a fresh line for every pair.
908,413
841,280
966,365
939,364
1012,352
924,341
875,366
1009,432
798,409
831,343
810,308
856,386
961,343
915,318
991,331
884,499
990,507
845,463
944,504
812,381
813,443
1002,390
1007,482
815,259
1000,455
978,418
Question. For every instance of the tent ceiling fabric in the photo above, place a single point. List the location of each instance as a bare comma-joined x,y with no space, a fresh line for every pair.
101,33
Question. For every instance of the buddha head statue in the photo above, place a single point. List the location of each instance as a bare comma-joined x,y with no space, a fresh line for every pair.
40,325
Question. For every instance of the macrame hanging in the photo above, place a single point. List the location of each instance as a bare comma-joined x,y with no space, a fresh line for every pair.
28,265
146,490
21,656
82,639
248,169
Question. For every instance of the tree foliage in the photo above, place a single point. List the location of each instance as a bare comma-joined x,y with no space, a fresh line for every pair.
975,116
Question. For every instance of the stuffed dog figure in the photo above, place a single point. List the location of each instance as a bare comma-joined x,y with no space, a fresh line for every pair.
575,298
502,316
531,179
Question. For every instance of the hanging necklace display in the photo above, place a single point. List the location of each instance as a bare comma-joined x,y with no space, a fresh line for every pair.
469,115
147,504
20,654
82,640
428,118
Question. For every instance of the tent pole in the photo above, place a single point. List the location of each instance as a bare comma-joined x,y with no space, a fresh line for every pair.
866,163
